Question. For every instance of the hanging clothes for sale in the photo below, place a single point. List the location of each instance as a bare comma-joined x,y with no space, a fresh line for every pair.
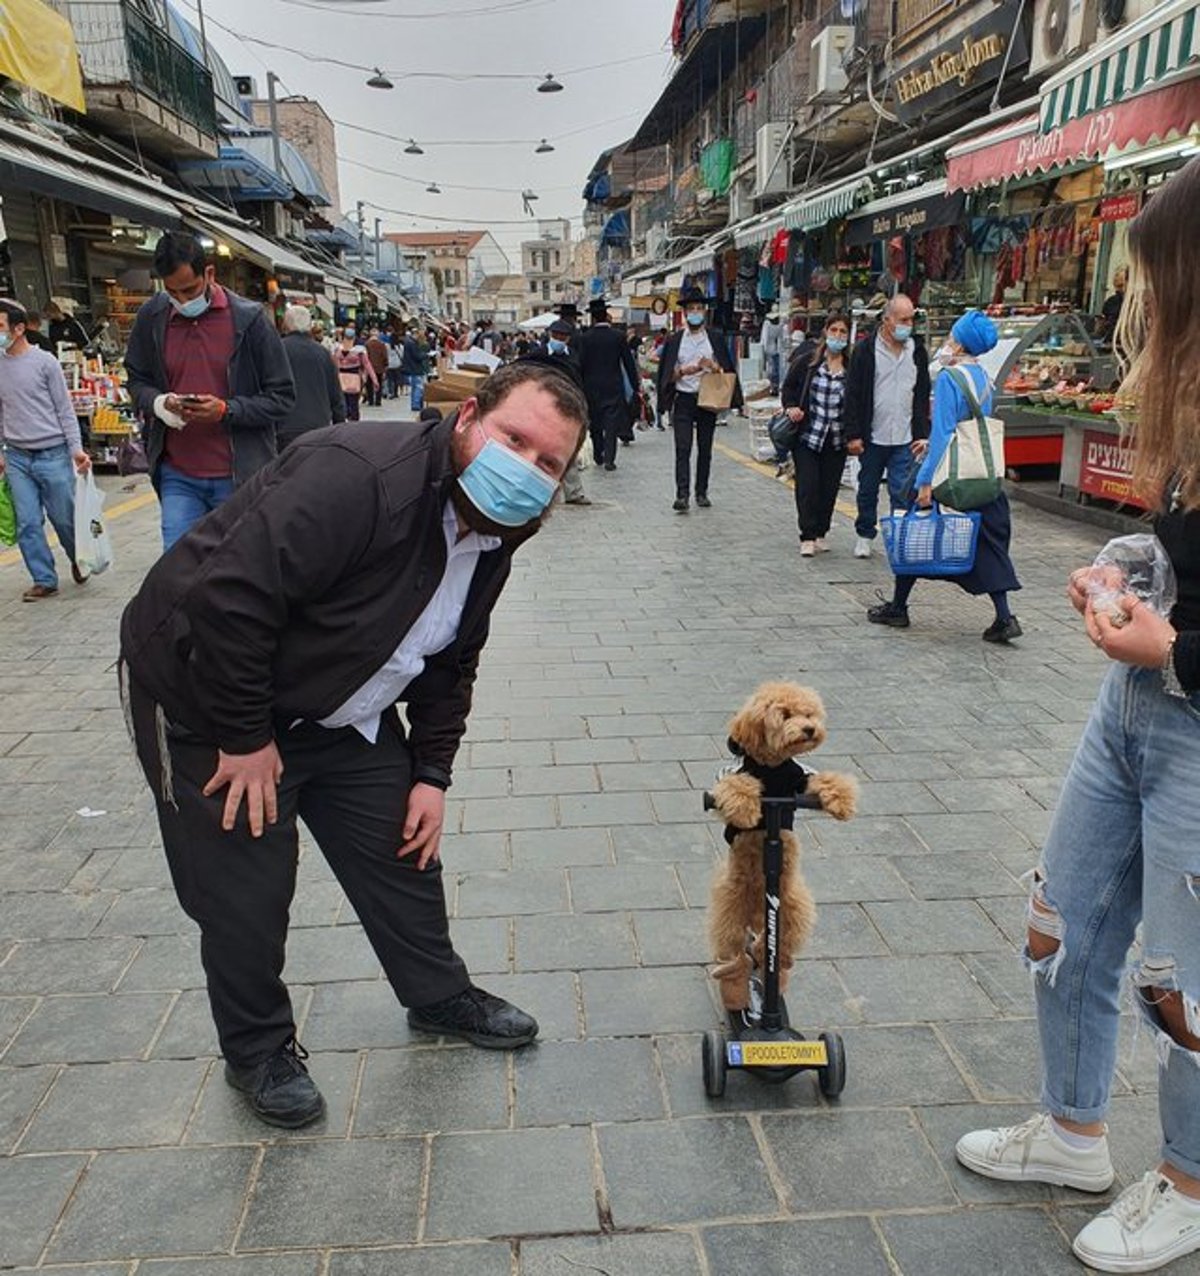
779,247
747,279
767,292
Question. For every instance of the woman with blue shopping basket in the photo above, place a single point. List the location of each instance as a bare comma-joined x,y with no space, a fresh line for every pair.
970,548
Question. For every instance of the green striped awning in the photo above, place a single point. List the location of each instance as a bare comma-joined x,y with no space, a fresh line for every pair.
1140,56
816,210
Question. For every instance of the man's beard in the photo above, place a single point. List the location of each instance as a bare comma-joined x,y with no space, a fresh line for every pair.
470,514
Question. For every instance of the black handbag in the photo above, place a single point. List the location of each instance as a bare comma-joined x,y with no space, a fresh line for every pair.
783,430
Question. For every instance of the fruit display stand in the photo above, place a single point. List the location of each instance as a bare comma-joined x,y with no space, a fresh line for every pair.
1097,463
1047,372
103,407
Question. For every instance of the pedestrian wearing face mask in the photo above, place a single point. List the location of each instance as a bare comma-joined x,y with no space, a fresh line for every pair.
687,355
814,396
887,414
264,659
558,347
211,381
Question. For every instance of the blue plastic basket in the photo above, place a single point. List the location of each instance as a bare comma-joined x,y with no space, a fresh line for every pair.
933,542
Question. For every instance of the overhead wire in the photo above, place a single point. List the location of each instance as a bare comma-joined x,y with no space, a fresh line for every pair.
333,6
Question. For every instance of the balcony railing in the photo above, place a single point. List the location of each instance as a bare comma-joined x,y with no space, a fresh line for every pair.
119,45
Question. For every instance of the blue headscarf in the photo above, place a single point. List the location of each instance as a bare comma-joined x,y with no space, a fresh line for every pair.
975,332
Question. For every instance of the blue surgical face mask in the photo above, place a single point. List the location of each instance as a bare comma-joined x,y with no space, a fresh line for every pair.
556,346
902,332
505,487
5,340
193,309
349,334
836,344
695,318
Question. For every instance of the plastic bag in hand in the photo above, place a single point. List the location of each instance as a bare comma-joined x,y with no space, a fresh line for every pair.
1136,565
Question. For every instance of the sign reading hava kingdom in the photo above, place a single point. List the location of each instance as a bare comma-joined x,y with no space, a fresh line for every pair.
972,60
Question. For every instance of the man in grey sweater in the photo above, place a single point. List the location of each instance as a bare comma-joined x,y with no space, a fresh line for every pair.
42,450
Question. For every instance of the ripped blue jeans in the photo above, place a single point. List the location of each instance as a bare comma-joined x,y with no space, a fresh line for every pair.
1124,848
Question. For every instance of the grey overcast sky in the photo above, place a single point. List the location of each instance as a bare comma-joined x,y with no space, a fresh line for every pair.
597,109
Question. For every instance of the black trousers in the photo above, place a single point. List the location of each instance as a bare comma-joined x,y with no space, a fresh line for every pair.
818,475
688,419
352,795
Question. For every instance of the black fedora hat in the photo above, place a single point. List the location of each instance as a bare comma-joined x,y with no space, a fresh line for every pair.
598,307
692,295
567,310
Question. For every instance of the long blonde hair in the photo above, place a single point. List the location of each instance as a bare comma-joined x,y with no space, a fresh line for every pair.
1158,342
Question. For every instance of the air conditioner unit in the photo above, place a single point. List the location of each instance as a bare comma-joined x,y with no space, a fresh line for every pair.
827,72
1061,29
741,201
772,170
245,86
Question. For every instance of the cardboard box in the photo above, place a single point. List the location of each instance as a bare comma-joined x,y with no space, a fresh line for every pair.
464,383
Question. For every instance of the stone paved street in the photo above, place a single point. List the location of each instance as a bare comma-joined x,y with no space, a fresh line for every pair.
577,866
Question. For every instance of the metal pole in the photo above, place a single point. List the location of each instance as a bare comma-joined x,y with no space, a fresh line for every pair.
362,237
377,222
203,32
274,116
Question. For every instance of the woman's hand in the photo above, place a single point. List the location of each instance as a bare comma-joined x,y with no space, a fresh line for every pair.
1143,640
855,447
925,496
1086,581
795,414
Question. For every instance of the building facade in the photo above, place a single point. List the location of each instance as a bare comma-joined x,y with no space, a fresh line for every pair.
456,262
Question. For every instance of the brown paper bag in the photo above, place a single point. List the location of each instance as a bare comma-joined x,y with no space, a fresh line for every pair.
717,390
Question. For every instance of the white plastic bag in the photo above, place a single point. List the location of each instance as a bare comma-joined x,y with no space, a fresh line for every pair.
585,457
1132,565
93,549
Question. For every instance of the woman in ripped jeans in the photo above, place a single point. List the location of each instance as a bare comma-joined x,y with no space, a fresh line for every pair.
1124,846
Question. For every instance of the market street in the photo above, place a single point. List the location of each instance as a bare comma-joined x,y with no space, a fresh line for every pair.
578,861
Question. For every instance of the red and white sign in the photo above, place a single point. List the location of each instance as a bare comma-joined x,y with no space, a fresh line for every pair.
1107,468
1119,208
1172,111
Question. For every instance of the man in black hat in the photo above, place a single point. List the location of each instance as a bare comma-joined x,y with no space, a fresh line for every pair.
691,352
610,378
557,346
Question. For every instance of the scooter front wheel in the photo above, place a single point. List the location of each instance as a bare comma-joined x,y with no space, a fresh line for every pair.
713,1057
831,1077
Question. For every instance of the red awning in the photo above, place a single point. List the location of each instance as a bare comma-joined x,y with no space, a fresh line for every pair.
1019,150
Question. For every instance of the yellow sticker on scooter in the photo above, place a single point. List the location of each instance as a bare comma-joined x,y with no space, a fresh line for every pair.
778,1054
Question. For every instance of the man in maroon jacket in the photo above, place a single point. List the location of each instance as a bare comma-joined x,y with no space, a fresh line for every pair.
263,660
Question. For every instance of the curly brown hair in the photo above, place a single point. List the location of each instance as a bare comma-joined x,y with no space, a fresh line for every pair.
1158,339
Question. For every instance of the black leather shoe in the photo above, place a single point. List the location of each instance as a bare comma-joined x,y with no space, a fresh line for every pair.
703,502
279,1089
478,1017
78,575
608,465
1003,630
681,505
888,613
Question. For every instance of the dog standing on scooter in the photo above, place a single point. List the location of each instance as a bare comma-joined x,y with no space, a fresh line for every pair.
780,722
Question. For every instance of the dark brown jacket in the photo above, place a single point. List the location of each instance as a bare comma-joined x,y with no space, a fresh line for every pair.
286,599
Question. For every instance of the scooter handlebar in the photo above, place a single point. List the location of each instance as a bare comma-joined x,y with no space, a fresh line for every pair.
800,801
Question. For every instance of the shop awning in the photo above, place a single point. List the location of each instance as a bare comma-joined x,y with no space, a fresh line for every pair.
701,258
266,252
912,212
816,210
62,174
757,230
1146,53
1018,150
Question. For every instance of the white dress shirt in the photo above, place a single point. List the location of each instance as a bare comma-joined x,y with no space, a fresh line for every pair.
895,381
694,347
434,630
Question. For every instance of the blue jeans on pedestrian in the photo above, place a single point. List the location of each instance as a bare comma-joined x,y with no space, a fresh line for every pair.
877,459
1123,848
772,366
416,386
186,500
42,483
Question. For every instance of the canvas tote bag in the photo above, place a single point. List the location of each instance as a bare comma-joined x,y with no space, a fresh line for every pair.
971,471
717,390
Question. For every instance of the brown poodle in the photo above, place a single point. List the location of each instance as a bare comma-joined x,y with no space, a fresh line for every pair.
780,722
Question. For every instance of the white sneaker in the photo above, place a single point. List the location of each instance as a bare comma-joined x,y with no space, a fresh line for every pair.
1150,1224
808,549
862,547
822,547
1033,1152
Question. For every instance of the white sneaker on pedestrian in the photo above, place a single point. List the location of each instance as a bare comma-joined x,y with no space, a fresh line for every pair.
862,547
808,549
1149,1225
822,547
1033,1152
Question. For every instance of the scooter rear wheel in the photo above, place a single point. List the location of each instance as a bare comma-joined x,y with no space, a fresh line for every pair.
712,1052
832,1076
